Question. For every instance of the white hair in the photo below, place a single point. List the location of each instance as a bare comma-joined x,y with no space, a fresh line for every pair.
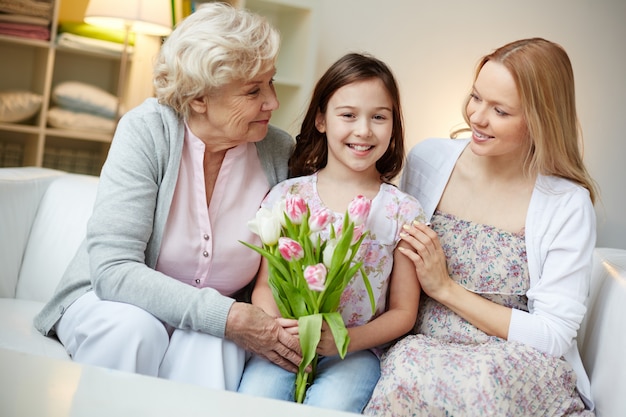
213,46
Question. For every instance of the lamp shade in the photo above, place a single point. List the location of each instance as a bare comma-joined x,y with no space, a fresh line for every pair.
152,17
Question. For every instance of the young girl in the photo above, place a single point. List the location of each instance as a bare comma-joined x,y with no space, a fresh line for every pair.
351,143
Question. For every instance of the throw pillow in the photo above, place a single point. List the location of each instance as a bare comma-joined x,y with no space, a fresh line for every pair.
17,106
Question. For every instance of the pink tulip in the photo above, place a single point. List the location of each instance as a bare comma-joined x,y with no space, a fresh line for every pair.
320,219
358,232
296,208
290,249
359,209
315,276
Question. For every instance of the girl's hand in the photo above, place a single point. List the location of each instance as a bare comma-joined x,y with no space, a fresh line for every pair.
427,255
290,325
327,346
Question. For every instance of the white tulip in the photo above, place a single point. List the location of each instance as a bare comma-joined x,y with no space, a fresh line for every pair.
266,225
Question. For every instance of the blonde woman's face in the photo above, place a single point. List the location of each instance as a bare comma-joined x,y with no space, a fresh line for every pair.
495,114
236,113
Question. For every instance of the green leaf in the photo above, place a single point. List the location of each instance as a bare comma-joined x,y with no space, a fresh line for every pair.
339,331
274,260
310,332
293,299
343,245
281,291
368,286
331,300
299,303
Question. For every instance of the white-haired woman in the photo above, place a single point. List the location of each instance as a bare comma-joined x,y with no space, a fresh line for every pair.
153,287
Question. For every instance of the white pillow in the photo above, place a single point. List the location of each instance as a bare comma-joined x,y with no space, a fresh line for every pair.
68,119
86,98
17,106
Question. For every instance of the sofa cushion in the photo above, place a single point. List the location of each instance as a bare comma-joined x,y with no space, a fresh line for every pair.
21,190
17,331
57,231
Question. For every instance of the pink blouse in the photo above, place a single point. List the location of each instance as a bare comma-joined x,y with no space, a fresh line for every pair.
201,244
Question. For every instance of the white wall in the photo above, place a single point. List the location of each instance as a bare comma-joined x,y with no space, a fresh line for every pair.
433,47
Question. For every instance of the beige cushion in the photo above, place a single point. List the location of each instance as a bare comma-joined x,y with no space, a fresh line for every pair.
17,106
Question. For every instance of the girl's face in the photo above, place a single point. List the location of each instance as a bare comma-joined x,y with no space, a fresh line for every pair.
358,124
238,112
495,114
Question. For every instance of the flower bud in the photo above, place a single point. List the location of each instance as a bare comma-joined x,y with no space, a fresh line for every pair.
358,232
320,219
296,208
266,225
315,276
329,252
290,249
359,209
279,211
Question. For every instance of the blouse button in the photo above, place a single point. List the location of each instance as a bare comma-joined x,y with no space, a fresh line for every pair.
206,237
197,281
205,254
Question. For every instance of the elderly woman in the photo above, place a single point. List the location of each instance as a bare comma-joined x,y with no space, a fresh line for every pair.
152,289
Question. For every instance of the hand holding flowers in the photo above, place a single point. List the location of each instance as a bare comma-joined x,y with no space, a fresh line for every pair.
308,274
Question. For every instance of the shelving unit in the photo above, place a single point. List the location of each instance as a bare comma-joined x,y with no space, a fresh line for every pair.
295,77
38,66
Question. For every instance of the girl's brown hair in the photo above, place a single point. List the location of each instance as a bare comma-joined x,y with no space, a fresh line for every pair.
311,152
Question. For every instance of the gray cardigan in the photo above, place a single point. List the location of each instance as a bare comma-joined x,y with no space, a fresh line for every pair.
119,254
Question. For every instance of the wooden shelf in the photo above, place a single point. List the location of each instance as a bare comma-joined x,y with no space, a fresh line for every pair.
39,66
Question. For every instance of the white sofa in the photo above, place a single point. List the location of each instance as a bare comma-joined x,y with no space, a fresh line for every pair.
43,214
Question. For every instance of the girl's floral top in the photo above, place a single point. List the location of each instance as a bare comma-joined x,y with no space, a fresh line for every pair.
390,210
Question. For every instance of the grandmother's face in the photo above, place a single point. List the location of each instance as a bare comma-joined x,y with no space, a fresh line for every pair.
236,113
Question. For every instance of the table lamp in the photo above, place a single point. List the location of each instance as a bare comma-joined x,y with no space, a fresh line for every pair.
150,17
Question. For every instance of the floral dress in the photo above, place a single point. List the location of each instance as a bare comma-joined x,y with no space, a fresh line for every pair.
451,368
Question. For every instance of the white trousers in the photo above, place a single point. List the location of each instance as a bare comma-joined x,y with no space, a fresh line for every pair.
125,337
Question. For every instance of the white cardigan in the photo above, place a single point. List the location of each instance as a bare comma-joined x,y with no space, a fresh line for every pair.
560,235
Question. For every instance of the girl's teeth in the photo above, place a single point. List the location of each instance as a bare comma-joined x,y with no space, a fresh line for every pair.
359,147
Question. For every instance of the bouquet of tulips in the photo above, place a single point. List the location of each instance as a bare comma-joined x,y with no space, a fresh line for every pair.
308,274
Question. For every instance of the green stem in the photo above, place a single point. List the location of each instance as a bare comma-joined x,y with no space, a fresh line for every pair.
304,380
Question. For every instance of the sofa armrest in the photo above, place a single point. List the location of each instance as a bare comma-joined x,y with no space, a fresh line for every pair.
602,339
21,190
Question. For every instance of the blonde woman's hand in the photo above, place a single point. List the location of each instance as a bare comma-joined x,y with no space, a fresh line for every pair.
421,245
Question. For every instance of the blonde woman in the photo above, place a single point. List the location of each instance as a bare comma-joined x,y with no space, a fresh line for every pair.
506,262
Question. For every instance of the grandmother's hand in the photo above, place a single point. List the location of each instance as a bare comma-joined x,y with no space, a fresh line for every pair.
252,329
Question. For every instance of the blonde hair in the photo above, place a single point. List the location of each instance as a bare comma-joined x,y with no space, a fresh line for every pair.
545,81
212,47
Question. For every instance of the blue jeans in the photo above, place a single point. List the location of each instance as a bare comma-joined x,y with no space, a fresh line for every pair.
340,384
